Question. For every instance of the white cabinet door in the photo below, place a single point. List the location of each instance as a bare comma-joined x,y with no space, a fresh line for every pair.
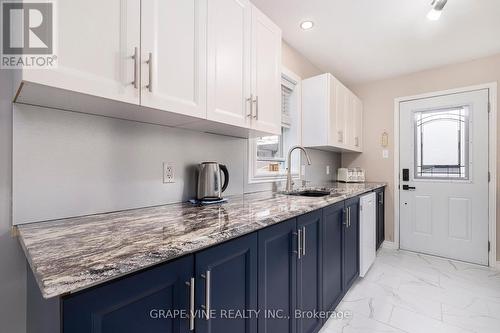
173,38
266,74
95,44
350,121
358,124
229,32
338,135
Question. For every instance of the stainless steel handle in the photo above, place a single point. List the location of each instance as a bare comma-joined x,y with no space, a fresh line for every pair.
256,100
191,303
341,136
299,243
135,83
206,307
349,217
303,241
250,100
150,67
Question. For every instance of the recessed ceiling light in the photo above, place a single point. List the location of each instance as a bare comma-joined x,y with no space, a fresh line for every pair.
437,9
306,25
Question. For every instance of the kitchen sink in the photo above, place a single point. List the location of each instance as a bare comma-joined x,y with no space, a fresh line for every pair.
310,193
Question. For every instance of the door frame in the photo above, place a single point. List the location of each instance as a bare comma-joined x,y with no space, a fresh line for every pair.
492,163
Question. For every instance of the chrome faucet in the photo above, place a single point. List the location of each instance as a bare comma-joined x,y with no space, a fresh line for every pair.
289,182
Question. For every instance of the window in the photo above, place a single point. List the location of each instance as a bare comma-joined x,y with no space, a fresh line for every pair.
268,154
442,144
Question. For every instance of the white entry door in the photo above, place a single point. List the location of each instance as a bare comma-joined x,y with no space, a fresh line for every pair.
444,176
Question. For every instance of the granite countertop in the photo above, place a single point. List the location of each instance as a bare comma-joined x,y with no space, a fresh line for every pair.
72,254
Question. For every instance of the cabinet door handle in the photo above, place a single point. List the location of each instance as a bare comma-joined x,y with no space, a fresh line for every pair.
135,83
303,241
256,100
349,217
191,303
250,100
206,307
341,136
356,140
299,243
150,68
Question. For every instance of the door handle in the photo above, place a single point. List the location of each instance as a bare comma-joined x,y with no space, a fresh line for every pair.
299,243
150,67
407,187
349,217
250,100
303,241
256,100
206,307
135,57
191,303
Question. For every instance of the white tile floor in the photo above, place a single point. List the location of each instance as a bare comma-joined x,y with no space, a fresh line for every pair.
408,292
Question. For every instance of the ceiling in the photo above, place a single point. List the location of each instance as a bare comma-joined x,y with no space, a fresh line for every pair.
366,40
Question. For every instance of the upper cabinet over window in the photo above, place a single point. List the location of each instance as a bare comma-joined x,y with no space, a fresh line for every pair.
213,65
332,115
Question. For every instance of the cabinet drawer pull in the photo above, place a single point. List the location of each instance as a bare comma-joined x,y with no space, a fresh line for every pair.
135,83
191,285
250,100
206,307
150,68
303,241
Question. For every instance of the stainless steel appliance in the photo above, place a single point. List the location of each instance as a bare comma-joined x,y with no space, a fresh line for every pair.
210,186
351,175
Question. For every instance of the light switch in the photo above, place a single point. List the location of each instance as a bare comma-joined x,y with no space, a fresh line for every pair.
385,153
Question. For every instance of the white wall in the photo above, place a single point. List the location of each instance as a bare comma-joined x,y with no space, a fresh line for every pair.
378,99
12,262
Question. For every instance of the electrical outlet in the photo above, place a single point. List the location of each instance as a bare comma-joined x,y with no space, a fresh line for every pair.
327,169
168,173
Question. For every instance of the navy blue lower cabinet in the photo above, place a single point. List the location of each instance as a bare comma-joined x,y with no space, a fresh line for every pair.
350,241
277,278
332,255
309,272
144,302
226,287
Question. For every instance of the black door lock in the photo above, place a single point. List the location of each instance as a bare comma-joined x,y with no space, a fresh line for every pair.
407,187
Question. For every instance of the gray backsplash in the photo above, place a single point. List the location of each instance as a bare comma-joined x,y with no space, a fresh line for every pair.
70,164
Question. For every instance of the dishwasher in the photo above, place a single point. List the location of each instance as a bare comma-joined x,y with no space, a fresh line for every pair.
367,232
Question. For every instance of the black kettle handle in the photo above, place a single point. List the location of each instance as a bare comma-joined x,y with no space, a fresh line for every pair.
226,176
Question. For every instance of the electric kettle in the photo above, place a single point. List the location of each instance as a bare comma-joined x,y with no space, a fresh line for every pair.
210,186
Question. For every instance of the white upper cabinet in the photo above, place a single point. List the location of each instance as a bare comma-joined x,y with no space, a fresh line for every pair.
266,74
95,44
229,33
332,115
208,65
173,53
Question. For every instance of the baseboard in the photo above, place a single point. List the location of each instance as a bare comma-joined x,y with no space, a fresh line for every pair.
389,245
